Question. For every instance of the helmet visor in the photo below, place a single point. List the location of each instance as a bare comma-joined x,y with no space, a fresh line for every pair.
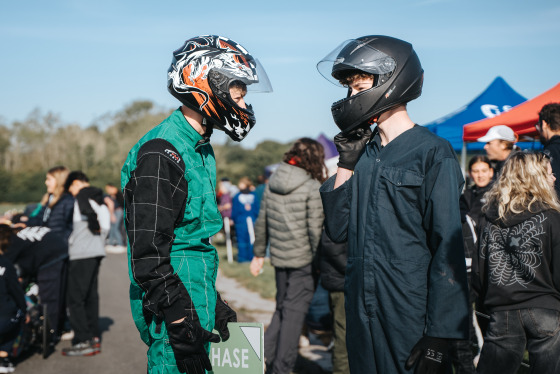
355,55
248,71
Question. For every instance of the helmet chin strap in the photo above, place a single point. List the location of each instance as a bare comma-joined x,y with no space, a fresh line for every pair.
207,133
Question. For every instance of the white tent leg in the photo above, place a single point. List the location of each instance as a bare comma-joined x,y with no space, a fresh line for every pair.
464,159
251,230
228,240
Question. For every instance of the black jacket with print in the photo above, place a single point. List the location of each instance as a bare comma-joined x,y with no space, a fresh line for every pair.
471,203
519,260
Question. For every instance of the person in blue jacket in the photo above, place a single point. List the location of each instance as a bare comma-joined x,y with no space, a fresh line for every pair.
395,199
244,212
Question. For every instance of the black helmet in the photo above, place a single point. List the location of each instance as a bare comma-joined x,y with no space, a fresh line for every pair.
397,72
201,74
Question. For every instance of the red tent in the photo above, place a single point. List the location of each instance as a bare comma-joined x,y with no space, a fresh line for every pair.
521,118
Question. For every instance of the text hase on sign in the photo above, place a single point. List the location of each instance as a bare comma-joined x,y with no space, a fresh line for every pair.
237,358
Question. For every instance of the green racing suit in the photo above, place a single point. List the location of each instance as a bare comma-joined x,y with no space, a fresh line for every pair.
168,181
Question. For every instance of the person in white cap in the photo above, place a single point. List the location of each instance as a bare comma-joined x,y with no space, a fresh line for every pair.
500,141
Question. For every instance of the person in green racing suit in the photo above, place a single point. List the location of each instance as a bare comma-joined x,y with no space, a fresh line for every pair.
168,181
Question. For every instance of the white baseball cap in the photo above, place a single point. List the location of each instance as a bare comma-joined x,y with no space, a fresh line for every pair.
501,132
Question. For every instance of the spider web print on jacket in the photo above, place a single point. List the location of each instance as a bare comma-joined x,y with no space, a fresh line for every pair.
513,253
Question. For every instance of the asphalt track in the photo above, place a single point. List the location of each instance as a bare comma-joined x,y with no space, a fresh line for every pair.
122,350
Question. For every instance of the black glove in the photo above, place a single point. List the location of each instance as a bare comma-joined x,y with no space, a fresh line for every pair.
350,145
430,356
187,341
224,314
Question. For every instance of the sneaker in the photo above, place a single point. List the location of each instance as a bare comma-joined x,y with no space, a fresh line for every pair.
68,335
6,365
115,249
96,344
80,349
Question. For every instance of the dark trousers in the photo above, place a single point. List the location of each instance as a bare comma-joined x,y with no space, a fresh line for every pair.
511,331
340,354
10,327
52,287
460,351
83,299
461,356
294,291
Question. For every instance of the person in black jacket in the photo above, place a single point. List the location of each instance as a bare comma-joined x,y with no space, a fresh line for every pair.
332,263
519,268
472,218
57,205
472,200
549,131
13,307
40,255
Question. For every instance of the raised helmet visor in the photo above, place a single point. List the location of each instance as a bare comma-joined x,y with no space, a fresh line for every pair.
355,54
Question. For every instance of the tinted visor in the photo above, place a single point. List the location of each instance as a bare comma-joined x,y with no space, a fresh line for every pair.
248,71
355,55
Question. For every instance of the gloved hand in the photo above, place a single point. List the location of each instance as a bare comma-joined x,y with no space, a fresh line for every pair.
187,340
430,356
224,314
350,145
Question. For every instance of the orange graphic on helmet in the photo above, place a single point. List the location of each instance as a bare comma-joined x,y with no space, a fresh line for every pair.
201,74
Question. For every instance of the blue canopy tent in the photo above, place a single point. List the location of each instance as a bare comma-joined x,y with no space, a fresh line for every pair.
328,146
497,98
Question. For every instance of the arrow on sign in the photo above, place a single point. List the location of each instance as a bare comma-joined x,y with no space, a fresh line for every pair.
253,335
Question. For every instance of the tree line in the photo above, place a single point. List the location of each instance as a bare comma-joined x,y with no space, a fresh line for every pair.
30,147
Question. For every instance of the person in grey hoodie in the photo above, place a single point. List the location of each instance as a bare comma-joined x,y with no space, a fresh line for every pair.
290,220
519,268
86,249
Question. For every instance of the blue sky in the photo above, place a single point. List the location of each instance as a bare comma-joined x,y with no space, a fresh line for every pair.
84,59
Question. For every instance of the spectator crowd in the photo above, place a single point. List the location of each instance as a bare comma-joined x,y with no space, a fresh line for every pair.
51,254
509,211
421,273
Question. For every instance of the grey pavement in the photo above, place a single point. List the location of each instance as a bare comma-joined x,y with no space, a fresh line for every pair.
122,350
313,358
249,304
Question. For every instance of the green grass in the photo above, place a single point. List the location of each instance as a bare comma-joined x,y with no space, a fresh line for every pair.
264,284
5,207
